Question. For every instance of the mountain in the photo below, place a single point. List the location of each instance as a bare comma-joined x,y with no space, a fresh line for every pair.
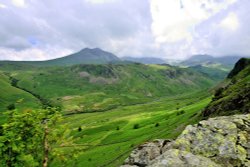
122,84
207,60
233,96
85,56
145,60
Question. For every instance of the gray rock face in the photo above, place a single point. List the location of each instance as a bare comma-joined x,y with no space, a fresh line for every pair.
221,141
146,152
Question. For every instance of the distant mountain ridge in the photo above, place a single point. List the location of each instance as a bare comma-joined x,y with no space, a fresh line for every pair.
208,60
99,56
145,60
84,56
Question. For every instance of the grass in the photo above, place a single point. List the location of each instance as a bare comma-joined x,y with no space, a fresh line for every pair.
106,86
103,145
116,106
11,95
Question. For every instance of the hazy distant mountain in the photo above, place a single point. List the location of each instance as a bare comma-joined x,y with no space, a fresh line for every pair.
85,56
208,60
145,60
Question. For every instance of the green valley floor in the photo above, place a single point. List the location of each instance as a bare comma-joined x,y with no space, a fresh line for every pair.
107,138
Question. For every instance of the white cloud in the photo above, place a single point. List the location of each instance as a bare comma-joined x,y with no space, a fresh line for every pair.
174,20
99,1
18,3
159,28
230,22
33,53
2,6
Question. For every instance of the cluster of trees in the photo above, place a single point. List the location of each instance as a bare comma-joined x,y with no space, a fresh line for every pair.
28,138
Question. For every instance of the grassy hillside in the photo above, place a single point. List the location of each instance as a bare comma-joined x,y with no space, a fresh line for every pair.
216,72
10,95
110,109
91,88
233,96
106,138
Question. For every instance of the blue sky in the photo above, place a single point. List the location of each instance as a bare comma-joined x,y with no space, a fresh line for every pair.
169,29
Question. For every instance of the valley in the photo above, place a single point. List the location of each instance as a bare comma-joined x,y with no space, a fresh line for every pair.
93,88
106,138
110,109
124,83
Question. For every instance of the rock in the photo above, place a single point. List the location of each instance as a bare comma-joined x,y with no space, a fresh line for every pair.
221,141
142,155
174,158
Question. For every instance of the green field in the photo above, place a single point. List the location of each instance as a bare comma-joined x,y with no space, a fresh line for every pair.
111,109
107,138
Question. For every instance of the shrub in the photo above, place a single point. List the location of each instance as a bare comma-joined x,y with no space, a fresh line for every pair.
11,107
180,112
157,124
117,128
136,126
218,92
79,129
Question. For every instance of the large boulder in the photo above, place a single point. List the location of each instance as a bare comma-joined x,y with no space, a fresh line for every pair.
221,141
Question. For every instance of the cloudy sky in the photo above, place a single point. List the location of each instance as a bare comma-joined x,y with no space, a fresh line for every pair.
169,29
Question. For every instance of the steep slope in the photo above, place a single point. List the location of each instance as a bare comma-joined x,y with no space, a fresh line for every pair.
85,56
234,95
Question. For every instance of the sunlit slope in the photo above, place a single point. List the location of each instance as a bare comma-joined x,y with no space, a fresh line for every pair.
106,138
11,95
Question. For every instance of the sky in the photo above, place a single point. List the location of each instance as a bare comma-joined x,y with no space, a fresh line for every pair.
168,29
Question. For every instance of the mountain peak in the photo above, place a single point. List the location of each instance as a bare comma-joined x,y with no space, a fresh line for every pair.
88,56
90,49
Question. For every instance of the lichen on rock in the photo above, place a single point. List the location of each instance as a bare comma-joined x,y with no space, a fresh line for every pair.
221,141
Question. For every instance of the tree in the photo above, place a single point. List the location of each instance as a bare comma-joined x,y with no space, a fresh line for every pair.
28,136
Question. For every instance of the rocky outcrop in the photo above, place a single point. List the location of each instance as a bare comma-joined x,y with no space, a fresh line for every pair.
239,66
221,141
